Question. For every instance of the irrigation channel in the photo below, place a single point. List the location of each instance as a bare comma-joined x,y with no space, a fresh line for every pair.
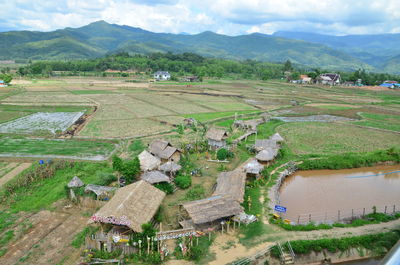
336,195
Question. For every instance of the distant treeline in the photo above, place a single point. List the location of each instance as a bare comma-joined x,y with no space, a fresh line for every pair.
177,64
192,64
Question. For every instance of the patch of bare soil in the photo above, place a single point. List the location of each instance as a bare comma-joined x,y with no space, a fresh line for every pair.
227,249
48,240
13,173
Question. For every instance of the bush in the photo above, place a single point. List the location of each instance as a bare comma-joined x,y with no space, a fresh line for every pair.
195,193
105,179
222,154
165,187
183,181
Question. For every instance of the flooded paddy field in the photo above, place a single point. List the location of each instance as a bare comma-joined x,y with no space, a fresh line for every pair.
314,118
353,192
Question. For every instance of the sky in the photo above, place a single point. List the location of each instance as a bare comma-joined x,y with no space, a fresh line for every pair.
230,17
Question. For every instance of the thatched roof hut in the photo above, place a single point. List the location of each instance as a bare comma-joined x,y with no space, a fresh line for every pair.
266,155
99,190
170,167
162,149
216,134
212,209
155,176
277,138
75,183
132,206
231,183
148,161
262,144
157,146
253,167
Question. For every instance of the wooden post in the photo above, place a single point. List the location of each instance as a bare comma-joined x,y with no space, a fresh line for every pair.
385,208
298,219
363,212
338,216
309,218
148,245
352,214
394,209
140,247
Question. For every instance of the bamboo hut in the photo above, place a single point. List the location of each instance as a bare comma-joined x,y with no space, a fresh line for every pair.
267,155
100,191
277,138
231,183
170,167
75,183
253,168
211,211
164,150
262,144
216,138
130,208
155,176
148,161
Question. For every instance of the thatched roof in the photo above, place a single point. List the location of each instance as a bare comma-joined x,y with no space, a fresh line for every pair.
158,146
262,144
162,149
277,138
148,161
75,183
231,183
216,134
170,167
132,205
253,167
212,208
155,176
167,152
267,154
99,190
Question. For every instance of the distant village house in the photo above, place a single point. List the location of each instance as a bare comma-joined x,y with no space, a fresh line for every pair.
162,75
329,79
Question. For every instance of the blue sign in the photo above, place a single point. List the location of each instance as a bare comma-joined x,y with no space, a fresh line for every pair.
41,162
280,209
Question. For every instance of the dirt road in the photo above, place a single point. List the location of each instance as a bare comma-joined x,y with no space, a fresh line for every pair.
14,172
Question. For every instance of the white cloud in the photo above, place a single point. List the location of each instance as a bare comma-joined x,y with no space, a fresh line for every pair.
223,16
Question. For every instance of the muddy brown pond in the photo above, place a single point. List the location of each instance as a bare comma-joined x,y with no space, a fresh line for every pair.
332,195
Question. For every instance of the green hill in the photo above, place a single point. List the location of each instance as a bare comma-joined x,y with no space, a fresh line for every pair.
99,38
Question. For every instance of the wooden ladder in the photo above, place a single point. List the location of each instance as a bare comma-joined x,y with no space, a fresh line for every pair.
287,255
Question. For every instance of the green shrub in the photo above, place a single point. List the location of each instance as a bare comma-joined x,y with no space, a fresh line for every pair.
105,179
183,181
195,193
165,187
222,154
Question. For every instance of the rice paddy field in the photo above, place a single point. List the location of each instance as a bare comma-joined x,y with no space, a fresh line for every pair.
120,110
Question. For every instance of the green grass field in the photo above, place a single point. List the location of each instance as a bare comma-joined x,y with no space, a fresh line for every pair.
49,147
382,121
328,138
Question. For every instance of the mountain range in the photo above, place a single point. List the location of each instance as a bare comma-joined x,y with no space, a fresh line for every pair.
371,52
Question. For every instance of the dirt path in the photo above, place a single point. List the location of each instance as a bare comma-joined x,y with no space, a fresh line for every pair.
48,240
13,173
